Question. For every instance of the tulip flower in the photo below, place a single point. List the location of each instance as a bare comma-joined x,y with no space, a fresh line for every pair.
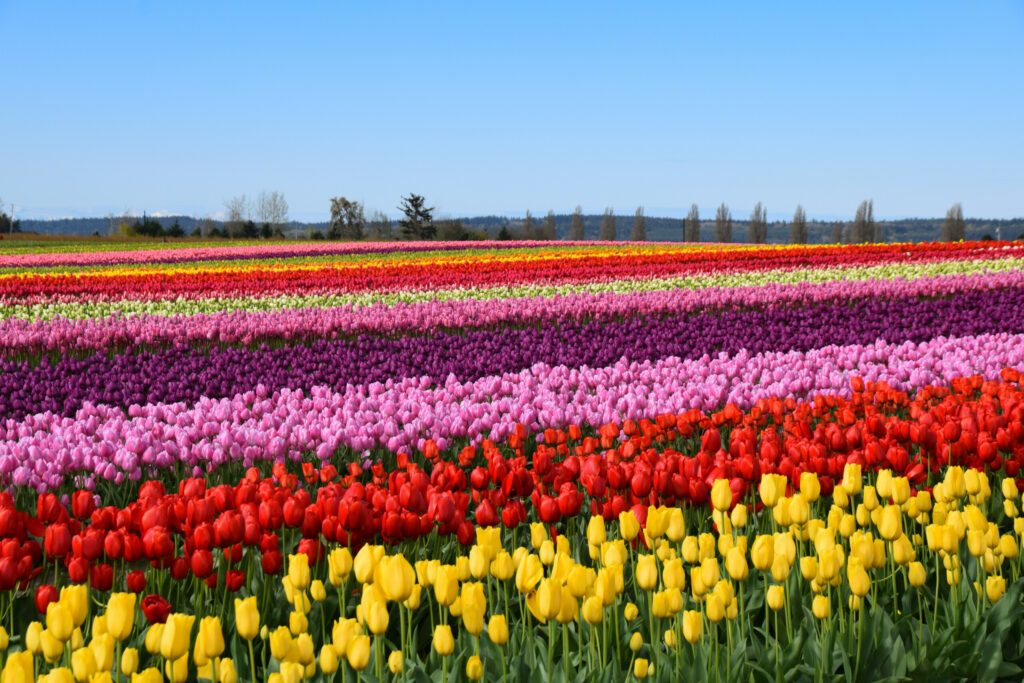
444,644
474,668
395,662
120,615
721,495
59,621
176,636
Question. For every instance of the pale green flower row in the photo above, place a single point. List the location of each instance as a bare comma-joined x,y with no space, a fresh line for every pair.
182,306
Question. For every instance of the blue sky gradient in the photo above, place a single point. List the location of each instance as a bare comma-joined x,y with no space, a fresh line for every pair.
501,107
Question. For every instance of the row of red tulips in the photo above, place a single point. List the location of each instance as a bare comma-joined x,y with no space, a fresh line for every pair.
551,478
43,287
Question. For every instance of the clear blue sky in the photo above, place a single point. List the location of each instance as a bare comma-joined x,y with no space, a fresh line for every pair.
488,107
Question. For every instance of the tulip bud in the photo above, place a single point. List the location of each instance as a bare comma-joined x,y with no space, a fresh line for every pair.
630,611
647,572
916,574
120,616
129,661
59,621
693,625
636,641
474,668
995,587
339,566
444,643
641,668
776,597
83,664
721,495
820,607
736,564
497,629
358,654
227,671
329,659
629,525
247,618
395,662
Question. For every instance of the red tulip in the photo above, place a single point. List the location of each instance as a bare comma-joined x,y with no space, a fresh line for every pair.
57,540
136,581
45,594
201,563
102,577
155,608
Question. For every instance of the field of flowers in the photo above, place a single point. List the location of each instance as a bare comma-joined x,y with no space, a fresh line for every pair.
521,461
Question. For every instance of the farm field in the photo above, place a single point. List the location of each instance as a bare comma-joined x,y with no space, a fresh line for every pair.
571,461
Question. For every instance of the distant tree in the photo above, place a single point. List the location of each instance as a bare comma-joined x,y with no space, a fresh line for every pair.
175,229
837,232
863,229
249,230
576,231
206,226
607,233
757,228
418,222
504,235
798,228
347,219
272,209
953,228
380,226
451,230
723,224
639,231
528,232
238,211
548,231
266,231
197,232
691,225
987,238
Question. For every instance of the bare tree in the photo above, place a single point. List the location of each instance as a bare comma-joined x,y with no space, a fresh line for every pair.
548,231
607,232
723,224
272,209
347,219
528,231
798,228
206,226
953,228
757,228
576,231
691,225
639,231
863,229
238,212
380,226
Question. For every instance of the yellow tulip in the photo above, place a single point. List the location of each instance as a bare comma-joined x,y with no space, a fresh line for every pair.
298,571
693,626
715,608
676,525
227,671
799,509
395,576
673,575
446,585
860,582
641,668
51,646
444,643
995,586
366,561
721,495
120,615
636,641
317,591
647,572
83,664
538,534
292,672
613,553
76,597
776,597
247,618
154,636
810,486
297,622
342,633
852,479
19,667
358,653
329,659
736,564
376,617
339,566
61,674
478,562
657,523
129,661
903,551
820,607
771,488
900,490
474,668
497,629
630,611
395,662
916,574
5,639
211,636
529,574
474,607
413,601
738,516
547,552
629,525
103,651
280,643
502,567
593,610
59,621
890,523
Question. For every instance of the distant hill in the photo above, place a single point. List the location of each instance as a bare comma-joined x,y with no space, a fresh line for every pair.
658,229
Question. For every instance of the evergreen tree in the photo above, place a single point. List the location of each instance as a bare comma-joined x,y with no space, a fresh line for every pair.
418,221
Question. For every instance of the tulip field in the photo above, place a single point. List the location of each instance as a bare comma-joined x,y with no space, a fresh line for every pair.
519,461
